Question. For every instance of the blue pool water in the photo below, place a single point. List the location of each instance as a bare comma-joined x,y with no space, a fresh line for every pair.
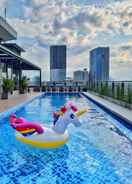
97,152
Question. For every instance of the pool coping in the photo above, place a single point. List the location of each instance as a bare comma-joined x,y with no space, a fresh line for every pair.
109,107
17,107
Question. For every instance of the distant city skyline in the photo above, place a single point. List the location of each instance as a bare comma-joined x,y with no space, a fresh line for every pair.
81,25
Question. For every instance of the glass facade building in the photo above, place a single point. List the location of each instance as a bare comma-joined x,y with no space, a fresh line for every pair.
57,62
99,64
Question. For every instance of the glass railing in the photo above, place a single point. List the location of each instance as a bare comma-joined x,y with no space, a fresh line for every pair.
119,90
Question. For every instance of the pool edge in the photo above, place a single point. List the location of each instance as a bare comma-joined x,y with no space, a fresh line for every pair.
17,107
126,122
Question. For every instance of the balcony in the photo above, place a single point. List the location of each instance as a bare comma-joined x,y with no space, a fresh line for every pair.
6,31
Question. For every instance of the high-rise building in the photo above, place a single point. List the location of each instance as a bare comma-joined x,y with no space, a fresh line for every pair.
99,64
80,75
58,62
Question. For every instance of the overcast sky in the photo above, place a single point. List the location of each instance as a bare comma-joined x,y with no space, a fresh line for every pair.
80,24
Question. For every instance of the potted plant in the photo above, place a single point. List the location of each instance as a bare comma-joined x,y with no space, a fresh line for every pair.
8,86
85,88
23,85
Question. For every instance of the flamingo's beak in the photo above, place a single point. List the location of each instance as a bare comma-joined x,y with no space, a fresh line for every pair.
81,112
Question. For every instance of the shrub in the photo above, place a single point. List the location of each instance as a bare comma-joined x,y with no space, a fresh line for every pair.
104,89
129,96
23,84
8,85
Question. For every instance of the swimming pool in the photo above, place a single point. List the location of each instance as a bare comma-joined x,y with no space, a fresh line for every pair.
97,152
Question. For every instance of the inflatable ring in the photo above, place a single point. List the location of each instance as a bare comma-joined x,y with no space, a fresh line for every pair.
49,139
39,136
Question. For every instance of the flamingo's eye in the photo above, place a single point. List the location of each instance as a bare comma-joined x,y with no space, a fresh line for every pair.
72,116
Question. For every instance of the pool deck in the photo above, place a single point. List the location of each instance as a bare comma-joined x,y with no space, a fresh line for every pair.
122,112
15,100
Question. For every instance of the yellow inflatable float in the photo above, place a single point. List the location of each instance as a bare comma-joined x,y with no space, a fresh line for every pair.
40,136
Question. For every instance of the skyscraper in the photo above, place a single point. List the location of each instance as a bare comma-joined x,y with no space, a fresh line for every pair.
57,62
99,64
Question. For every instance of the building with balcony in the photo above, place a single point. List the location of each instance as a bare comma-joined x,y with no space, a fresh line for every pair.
58,62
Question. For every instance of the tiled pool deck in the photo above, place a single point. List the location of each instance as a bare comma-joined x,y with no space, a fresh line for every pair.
122,112
15,100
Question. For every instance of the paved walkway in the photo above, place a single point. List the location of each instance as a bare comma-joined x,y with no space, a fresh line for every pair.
116,109
16,99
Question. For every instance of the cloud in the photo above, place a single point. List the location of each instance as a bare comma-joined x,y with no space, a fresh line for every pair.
36,53
73,24
121,61
40,2
2,3
28,11
26,28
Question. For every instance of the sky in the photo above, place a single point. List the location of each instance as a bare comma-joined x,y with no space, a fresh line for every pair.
80,24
